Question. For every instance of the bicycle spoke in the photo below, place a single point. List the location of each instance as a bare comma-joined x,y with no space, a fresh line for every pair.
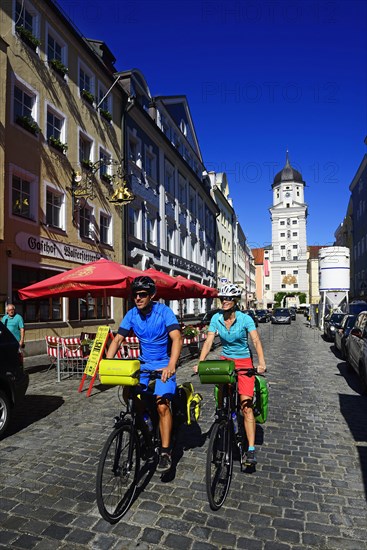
219,464
117,473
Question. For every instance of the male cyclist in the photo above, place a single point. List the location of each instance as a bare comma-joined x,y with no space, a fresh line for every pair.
233,326
154,323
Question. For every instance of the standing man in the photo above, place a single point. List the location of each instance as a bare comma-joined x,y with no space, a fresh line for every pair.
155,325
14,322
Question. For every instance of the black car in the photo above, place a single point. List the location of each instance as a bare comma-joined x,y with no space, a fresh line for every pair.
13,380
293,313
357,348
263,315
341,335
332,323
252,315
281,316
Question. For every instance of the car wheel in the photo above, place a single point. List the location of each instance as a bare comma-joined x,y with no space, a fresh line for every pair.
343,351
363,377
4,412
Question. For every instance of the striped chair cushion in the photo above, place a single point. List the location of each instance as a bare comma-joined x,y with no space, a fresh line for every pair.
72,347
133,346
54,344
191,340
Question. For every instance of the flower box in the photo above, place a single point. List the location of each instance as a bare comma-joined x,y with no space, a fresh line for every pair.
28,123
87,164
87,96
28,37
57,144
106,114
190,331
58,67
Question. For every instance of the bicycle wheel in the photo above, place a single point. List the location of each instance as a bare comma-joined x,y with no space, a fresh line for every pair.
219,464
117,473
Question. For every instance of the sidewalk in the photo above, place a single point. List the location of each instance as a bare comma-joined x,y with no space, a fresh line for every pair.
36,362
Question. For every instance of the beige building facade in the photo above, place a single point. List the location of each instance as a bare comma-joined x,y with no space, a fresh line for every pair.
60,163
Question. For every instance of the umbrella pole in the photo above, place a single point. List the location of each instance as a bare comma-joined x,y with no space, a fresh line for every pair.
105,304
181,311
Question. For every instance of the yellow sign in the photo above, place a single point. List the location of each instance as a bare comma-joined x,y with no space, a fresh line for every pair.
97,350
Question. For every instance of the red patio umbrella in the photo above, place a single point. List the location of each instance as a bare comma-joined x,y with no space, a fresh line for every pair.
176,288
197,290
100,278
168,287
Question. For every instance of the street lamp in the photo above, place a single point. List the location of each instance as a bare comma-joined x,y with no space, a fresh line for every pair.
84,183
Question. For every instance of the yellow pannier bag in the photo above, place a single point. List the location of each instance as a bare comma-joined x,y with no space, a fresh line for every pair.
122,372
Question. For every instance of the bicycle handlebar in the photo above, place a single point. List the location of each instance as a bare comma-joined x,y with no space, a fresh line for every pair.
153,374
252,371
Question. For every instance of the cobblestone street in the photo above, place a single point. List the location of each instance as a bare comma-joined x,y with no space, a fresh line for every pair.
308,490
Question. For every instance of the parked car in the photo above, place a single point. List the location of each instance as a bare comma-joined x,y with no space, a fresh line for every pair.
341,335
13,380
293,313
263,315
357,306
332,323
281,316
252,315
357,348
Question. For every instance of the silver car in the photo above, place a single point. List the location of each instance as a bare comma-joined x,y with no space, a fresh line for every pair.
282,316
357,348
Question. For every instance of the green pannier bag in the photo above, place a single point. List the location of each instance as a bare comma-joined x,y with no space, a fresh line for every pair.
261,397
217,372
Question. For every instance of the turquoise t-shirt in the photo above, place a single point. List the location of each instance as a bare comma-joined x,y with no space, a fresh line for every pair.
234,340
14,324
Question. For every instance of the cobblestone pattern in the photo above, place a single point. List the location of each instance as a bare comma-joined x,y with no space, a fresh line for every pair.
308,490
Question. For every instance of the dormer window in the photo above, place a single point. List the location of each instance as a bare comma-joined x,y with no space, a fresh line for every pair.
183,127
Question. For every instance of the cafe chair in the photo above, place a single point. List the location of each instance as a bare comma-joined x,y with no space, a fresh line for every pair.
54,349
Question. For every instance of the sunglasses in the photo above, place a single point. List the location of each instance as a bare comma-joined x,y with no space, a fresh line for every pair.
140,294
226,298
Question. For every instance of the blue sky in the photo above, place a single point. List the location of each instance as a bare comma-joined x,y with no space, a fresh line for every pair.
261,77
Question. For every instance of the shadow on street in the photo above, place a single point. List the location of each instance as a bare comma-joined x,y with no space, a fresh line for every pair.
354,410
32,409
351,377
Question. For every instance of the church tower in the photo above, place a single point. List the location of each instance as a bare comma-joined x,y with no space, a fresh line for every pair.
289,242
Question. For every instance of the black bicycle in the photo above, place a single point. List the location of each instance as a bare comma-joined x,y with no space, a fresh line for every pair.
226,430
135,437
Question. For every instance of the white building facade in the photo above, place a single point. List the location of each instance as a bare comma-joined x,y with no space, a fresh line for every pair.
226,226
289,240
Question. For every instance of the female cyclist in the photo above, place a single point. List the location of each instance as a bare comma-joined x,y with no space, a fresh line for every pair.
233,326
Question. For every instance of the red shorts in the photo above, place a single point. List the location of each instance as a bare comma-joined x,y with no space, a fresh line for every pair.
246,384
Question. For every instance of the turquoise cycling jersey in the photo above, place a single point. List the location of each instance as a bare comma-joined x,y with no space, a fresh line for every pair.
234,340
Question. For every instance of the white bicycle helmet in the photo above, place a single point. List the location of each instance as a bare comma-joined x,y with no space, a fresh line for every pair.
230,290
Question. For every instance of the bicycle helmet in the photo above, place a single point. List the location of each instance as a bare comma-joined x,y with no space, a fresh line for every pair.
143,283
230,290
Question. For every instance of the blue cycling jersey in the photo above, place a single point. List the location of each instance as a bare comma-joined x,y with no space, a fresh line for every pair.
234,340
152,330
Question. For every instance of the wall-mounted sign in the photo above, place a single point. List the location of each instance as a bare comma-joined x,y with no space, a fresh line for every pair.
55,249
289,279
